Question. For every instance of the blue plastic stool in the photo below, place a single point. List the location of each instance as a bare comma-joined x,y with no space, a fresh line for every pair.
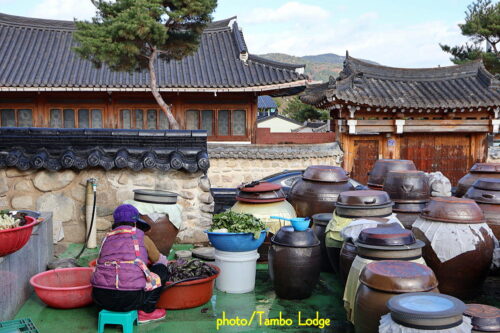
126,319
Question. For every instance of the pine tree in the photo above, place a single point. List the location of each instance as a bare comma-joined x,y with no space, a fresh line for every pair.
131,35
482,23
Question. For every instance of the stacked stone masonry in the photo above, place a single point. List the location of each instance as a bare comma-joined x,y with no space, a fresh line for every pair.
64,193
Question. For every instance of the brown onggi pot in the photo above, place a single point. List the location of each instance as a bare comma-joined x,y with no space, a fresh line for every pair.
382,280
463,275
320,221
364,203
478,170
318,189
347,255
408,186
486,192
162,233
484,318
377,175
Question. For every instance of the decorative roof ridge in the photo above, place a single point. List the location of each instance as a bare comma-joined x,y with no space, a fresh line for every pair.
65,25
280,117
359,67
240,40
274,63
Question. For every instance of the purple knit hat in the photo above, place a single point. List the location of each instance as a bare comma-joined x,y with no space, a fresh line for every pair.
128,213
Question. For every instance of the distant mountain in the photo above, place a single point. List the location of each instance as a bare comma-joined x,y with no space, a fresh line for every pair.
319,67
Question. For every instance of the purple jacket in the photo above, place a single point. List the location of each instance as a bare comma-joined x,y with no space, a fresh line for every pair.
120,247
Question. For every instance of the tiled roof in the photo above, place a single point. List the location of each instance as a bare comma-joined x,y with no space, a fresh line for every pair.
266,102
469,85
279,117
37,54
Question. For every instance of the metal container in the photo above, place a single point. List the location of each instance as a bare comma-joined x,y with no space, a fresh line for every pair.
294,262
484,318
377,175
408,186
486,192
455,210
163,232
318,189
426,311
364,203
320,221
478,170
382,280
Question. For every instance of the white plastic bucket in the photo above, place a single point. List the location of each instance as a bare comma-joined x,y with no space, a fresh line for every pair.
237,271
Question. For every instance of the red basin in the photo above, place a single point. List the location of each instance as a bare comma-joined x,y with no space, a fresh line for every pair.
64,288
14,239
188,294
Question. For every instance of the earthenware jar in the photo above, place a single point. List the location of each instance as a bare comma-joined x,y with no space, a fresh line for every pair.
478,170
377,175
347,254
163,232
459,244
486,192
263,200
382,280
410,191
294,262
364,203
317,191
484,318
424,312
320,221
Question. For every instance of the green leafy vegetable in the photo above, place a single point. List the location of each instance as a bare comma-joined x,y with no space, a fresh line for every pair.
237,222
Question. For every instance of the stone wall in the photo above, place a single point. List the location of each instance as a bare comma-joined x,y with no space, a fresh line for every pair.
231,165
64,193
493,155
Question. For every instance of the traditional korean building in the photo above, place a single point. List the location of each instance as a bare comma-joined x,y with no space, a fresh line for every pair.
438,117
43,83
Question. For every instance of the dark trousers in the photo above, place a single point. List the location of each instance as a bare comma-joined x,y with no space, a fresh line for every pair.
126,300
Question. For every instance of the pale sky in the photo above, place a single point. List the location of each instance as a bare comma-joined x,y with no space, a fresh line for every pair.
400,33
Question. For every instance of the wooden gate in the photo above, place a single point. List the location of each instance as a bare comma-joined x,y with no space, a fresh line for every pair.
449,153
365,153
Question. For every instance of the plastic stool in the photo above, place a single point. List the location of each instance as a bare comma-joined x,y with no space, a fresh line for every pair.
126,319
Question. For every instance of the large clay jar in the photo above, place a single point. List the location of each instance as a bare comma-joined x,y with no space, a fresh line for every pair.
320,221
459,244
318,189
410,191
367,204
478,170
153,207
377,175
263,200
348,253
425,313
486,192
382,280
294,262
484,318
377,244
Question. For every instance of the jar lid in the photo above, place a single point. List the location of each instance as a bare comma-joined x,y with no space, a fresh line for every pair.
322,218
288,237
398,276
492,184
484,318
426,310
325,173
381,167
386,237
486,168
483,196
365,198
453,210
260,192
155,197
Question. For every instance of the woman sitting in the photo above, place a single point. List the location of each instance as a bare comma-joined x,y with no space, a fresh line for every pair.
122,280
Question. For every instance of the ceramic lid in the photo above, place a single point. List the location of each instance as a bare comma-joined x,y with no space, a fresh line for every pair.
386,237
155,197
484,318
325,173
322,218
288,237
365,198
260,192
491,184
453,210
483,196
398,276
426,309
486,168
381,167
